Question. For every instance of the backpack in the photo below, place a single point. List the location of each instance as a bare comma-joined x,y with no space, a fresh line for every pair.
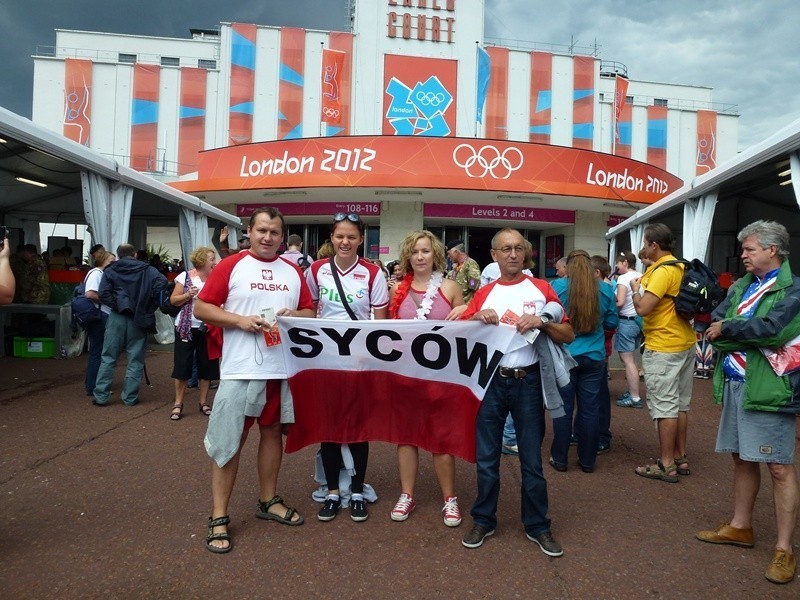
84,311
700,292
164,305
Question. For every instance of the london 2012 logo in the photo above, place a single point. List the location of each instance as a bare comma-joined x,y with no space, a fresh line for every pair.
419,110
488,160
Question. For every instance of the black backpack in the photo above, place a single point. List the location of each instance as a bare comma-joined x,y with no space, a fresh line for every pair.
164,305
700,291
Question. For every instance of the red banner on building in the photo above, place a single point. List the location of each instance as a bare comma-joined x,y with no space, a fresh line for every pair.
706,141
343,42
332,71
497,98
243,77
290,88
77,100
657,136
620,96
144,117
583,102
436,163
541,96
191,118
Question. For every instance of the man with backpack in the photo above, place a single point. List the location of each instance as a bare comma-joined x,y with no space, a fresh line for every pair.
131,289
668,359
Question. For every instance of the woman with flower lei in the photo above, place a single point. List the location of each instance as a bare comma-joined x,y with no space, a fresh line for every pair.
424,293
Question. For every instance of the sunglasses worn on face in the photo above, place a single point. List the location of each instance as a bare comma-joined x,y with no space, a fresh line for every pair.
352,217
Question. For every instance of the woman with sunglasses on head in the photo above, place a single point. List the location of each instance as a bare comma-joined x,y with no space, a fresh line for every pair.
591,307
355,289
422,292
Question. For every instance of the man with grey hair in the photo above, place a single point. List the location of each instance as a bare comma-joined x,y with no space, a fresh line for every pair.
130,288
561,267
759,405
465,272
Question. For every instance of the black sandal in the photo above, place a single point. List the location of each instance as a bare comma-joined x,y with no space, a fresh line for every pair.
205,409
286,519
225,537
177,412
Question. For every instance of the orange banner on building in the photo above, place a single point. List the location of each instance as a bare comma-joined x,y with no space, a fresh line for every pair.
144,117
290,87
541,97
620,99
77,100
243,77
191,118
497,98
332,71
436,163
343,42
706,141
657,136
583,102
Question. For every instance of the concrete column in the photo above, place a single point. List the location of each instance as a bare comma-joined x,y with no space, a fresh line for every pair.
398,219
589,233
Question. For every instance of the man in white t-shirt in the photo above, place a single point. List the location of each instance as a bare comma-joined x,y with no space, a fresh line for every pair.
243,295
516,388
629,333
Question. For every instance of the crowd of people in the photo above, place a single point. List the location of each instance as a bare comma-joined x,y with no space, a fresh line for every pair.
227,329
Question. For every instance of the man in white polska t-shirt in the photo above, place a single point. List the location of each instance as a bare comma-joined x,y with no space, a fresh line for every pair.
254,287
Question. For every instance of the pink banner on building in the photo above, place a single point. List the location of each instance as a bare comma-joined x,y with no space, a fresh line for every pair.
192,118
657,136
541,96
583,102
77,100
343,42
293,209
620,99
144,117
499,213
706,141
243,77
497,97
290,88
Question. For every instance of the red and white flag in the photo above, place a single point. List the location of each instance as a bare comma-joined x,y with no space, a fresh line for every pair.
620,97
332,66
402,382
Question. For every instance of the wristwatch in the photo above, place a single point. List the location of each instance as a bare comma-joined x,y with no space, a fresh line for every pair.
545,319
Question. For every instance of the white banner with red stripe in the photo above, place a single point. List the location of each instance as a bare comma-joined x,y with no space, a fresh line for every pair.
402,382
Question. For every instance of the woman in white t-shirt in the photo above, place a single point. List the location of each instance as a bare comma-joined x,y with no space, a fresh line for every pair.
629,333
365,293
190,333
96,331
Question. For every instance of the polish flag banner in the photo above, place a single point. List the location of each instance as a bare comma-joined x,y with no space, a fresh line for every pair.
401,382
620,97
332,66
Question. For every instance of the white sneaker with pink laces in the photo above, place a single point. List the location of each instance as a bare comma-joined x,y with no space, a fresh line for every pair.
403,508
452,514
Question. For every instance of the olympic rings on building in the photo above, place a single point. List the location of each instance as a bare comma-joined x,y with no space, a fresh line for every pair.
429,98
330,112
488,160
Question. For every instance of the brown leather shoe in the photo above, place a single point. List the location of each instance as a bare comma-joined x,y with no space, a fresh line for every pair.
782,567
725,534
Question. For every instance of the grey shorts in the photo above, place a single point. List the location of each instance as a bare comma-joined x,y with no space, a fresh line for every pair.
668,379
755,435
628,337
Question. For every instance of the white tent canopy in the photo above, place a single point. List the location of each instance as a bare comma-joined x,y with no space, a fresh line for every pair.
81,185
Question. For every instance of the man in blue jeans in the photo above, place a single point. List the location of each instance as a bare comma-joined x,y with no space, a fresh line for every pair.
516,388
130,288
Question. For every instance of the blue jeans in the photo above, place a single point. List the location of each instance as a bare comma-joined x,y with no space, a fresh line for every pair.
95,333
604,406
509,433
523,399
121,334
584,386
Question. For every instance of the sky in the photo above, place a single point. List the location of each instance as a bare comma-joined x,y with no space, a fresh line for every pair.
748,51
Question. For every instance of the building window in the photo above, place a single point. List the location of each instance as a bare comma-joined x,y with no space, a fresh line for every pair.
660,102
205,63
629,99
170,61
602,96
127,58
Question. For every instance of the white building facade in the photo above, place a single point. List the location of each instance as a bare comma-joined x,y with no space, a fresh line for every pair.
420,122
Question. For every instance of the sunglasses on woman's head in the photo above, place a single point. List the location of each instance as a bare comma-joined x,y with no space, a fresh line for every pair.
352,217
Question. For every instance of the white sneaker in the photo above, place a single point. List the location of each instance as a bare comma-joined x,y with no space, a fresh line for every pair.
401,511
452,514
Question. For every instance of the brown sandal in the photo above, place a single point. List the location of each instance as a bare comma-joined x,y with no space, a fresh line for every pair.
682,464
177,412
205,409
659,471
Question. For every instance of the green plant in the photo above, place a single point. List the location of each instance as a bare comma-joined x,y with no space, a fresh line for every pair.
162,251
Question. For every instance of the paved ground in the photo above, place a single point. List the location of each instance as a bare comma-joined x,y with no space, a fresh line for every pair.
112,502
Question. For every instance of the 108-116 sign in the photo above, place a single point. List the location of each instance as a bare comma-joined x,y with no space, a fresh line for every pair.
423,25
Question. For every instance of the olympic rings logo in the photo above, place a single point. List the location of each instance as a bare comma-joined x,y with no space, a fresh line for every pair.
330,112
430,98
488,160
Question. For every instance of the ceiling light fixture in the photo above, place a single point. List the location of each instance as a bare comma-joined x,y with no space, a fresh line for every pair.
285,193
397,193
787,182
31,182
519,197
785,173
3,141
